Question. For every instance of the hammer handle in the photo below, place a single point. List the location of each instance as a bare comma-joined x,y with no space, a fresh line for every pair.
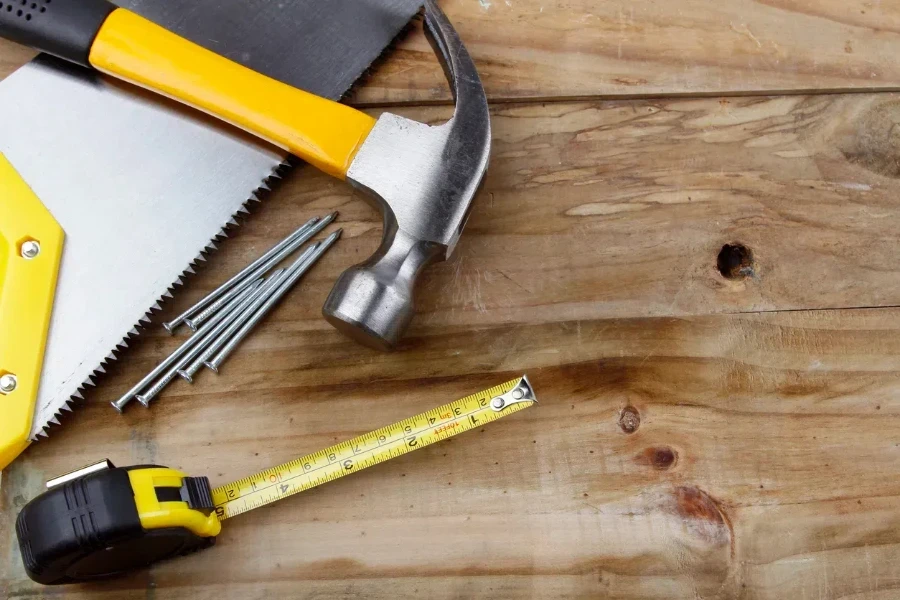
120,43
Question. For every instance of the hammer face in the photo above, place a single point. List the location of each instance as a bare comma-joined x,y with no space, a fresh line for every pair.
423,179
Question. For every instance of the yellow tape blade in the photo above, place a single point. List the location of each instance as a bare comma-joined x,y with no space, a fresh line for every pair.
372,448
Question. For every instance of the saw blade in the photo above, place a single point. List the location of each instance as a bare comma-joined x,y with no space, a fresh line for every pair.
135,215
144,187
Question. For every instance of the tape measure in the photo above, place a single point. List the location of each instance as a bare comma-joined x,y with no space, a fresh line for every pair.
102,520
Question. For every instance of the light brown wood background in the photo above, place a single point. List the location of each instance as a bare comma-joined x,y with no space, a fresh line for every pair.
698,436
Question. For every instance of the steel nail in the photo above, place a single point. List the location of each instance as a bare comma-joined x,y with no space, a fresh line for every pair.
194,323
187,373
187,345
297,241
252,271
259,292
295,272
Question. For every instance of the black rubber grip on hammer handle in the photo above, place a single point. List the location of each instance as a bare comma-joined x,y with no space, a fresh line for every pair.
63,28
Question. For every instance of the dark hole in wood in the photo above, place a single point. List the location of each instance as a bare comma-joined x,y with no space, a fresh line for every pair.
735,261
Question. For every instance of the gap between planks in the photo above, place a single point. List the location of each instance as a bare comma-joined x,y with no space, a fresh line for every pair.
761,93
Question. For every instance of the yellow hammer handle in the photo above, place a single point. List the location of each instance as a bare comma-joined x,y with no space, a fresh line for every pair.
324,133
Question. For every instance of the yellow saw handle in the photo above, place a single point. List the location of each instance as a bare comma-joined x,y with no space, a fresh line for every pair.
31,243
324,133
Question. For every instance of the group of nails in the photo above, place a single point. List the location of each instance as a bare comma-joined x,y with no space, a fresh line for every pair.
224,317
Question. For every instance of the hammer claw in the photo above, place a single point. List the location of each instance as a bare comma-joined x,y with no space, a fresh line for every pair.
423,179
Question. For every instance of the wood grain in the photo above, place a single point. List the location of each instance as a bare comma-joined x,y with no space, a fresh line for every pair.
713,428
759,467
620,209
542,49
528,49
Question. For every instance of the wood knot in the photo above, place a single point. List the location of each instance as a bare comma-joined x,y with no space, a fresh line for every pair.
660,458
703,516
873,140
629,419
735,261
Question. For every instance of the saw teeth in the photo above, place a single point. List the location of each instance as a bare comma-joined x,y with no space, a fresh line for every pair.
145,320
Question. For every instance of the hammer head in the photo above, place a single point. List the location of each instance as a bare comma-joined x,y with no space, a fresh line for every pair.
423,179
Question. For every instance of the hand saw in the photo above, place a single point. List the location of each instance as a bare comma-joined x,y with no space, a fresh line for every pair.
140,186
141,515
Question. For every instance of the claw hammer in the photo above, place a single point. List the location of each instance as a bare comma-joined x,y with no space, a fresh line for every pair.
422,178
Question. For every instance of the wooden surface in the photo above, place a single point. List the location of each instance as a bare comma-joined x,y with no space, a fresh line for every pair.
532,49
707,428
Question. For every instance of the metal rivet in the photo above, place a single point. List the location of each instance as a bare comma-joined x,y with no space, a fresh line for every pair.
30,249
497,403
8,383
518,394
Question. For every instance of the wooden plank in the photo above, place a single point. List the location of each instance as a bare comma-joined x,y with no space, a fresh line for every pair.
527,49
761,465
620,209
754,464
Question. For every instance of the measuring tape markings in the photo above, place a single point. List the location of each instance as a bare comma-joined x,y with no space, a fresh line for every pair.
149,513
364,451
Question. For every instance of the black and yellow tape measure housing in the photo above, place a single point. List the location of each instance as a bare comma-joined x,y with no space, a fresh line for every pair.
101,520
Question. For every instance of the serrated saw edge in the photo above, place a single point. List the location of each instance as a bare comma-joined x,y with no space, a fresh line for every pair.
68,404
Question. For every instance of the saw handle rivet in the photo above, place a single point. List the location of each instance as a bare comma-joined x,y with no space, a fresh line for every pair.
8,383
30,249
498,403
